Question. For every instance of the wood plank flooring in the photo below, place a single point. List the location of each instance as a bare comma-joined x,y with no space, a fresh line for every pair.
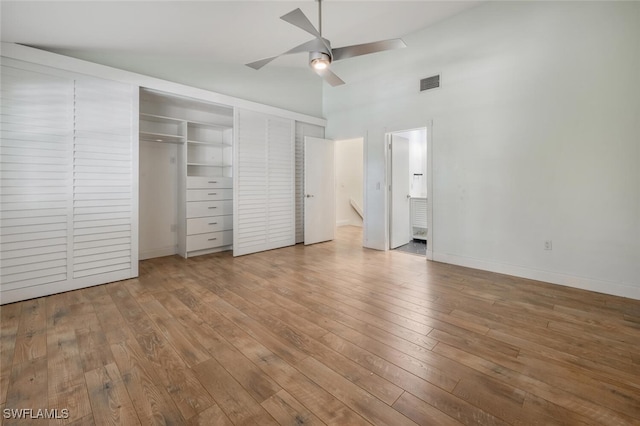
327,334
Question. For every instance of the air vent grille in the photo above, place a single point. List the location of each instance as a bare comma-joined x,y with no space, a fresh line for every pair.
430,83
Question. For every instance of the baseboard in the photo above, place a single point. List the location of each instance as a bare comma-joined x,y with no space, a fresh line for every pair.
210,251
606,287
25,293
357,223
161,252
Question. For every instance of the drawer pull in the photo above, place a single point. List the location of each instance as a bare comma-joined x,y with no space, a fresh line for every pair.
213,207
213,223
212,239
213,181
212,193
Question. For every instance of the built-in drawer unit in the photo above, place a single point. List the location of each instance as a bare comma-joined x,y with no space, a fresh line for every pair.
209,208
209,197
212,194
209,240
199,182
203,225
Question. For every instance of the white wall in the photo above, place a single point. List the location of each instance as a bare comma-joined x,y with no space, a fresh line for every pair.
349,175
536,133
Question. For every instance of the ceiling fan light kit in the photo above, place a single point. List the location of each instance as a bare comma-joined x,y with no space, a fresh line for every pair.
319,60
321,55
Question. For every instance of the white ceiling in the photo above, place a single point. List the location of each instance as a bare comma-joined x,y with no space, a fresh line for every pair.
234,32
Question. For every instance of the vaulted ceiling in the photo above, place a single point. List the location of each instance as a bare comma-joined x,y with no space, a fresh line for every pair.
231,32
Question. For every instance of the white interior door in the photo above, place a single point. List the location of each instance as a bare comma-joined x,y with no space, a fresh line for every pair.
400,230
302,130
319,186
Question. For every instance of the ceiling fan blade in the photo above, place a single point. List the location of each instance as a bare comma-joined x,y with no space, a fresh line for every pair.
330,77
300,20
314,45
366,48
311,45
261,63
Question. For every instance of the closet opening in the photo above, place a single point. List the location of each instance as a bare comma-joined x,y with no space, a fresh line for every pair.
185,178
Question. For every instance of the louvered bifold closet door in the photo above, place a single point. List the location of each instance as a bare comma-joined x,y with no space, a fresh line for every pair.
103,182
68,169
302,130
35,186
264,183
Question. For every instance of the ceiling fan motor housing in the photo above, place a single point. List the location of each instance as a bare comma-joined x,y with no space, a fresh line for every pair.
319,60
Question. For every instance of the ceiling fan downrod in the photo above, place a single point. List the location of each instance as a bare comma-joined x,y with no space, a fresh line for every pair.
320,17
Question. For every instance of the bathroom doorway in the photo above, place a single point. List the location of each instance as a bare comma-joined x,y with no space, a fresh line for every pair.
407,177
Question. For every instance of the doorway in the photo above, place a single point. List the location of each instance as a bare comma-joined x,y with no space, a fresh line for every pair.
407,177
349,182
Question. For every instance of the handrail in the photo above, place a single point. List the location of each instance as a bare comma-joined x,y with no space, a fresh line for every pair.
356,207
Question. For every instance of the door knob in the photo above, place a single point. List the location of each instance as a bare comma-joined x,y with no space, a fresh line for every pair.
408,196
309,196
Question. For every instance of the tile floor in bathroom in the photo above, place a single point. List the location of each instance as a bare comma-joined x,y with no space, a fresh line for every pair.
418,247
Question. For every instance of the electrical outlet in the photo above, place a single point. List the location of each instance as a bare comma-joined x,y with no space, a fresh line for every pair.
548,245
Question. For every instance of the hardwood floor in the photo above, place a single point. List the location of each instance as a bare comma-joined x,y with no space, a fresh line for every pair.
326,334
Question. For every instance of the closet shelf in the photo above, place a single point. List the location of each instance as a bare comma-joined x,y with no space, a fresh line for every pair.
161,137
208,165
160,118
213,144
203,124
174,120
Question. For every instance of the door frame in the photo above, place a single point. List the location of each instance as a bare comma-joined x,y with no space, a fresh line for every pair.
430,196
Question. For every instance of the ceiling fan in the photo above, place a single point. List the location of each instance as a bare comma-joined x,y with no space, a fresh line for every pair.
320,52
